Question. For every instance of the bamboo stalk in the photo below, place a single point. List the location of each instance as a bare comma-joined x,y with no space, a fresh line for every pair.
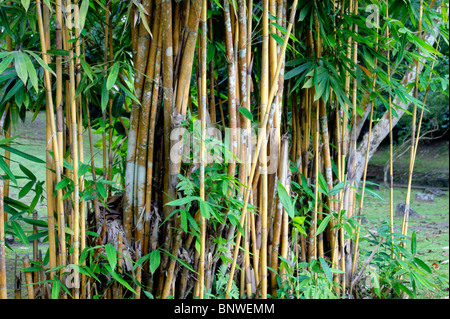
391,139
263,156
28,278
413,137
3,291
141,64
268,114
74,127
204,96
57,160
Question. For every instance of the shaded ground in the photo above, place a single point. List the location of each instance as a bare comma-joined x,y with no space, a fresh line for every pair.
431,166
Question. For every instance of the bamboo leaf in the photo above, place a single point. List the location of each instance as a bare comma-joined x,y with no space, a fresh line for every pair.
111,255
183,201
298,222
112,77
119,279
83,12
25,189
413,243
179,260
105,95
205,210
7,170
56,288
62,183
326,270
22,154
183,220
423,265
31,72
41,62
246,113
285,200
5,63
19,232
25,4
21,67
323,224
101,189
155,259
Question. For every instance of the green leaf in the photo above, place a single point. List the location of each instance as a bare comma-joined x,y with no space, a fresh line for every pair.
285,200
37,222
337,188
112,77
21,67
183,220
41,62
323,184
25,189
7,170
26,4
22,154
19,232
62,183
205,210
326,270
87,69
56,288
413,243
155,259
111,255
246,113
323,224
105,95
82,15
182,201
298,222
101,189
31,72
58,52
422,265
119,279
5,63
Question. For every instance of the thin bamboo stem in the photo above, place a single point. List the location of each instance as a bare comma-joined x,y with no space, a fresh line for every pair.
3,291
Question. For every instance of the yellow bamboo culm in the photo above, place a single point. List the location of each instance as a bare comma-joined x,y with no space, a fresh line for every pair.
56,147
3,292
203,98
413,137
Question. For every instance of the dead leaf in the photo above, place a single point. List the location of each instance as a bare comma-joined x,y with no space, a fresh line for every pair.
435,265
366,71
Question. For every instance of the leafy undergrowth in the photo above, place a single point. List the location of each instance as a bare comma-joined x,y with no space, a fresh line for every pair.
432,231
